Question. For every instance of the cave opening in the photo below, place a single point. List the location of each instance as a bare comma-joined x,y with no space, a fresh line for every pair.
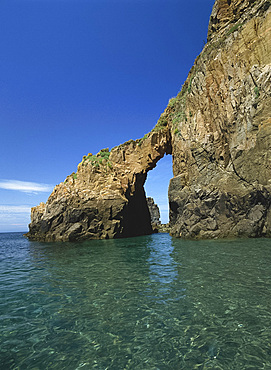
157,183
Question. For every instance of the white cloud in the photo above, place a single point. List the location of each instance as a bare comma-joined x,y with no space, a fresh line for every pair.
24,186
14,217
14,209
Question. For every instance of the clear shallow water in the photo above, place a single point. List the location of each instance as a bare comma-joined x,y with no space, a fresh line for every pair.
150,302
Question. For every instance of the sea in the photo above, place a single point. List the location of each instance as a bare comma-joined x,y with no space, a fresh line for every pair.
150,302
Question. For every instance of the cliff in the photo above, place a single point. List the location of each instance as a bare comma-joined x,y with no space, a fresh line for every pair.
218,130
221,127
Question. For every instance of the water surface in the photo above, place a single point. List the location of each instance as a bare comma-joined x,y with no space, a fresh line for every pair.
151,302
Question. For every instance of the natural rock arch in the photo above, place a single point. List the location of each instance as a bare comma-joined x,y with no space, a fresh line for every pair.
105,198
218,130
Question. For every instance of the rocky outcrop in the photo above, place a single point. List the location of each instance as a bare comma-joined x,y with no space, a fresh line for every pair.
218,130
154,214
105,198
154,211
221,129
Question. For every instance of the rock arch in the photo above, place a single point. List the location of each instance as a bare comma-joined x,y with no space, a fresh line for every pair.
218,130
105,198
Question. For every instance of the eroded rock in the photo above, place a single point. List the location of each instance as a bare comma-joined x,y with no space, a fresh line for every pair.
105,198
218,130
221,129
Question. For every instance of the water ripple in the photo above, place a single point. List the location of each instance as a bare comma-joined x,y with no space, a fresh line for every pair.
141,303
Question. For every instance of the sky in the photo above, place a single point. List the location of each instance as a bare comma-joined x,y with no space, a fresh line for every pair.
77,76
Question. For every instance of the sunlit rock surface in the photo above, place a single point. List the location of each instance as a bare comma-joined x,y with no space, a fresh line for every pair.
105,198
221,129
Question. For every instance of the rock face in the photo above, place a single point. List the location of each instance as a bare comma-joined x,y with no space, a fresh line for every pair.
157,226
221,129
218,130
154,211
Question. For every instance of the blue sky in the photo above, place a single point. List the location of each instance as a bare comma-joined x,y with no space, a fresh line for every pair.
80,75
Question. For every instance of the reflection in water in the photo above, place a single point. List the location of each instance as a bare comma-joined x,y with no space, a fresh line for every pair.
165,285
151,302
163,268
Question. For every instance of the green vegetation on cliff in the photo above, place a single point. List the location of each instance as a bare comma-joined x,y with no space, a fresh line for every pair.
99,159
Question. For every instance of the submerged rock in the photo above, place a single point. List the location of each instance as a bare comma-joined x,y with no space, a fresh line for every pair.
218,130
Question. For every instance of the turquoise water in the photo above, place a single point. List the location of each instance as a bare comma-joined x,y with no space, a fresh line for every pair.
151,302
